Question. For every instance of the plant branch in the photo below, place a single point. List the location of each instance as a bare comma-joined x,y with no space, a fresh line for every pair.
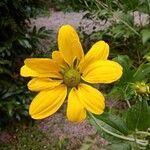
126,24
138,141
143,132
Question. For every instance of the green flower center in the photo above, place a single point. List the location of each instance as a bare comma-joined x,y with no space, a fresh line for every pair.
72,78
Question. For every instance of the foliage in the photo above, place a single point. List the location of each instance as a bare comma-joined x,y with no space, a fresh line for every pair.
17,41
129,39
130,44
68,5
123,26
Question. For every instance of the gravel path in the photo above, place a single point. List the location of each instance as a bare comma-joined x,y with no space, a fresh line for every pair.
56,19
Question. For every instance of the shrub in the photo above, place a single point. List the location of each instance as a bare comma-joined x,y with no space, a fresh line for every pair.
17,41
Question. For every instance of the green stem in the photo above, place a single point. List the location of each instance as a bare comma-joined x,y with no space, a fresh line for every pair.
138,69
148,2
111,11
126,24
128,103
143,132
138,141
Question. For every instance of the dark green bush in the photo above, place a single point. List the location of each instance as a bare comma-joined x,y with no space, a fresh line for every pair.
69,5
17,41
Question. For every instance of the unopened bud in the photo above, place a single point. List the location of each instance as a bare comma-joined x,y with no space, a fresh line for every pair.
141,88
147,57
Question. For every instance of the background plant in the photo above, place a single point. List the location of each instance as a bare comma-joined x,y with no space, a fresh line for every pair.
129,41
17,41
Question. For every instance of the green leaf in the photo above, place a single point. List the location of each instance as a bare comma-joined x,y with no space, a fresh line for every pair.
34,30
119,146
4,70
148,146
138,116
117,93
145,35
4,62
124,60
122,90
25,43
114,121
131,4
43,28
142,72
126,63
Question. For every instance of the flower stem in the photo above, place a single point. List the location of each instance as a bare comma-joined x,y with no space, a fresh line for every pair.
138,141
128,103
105,6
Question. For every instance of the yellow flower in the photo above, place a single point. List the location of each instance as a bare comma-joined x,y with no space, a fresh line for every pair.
66,75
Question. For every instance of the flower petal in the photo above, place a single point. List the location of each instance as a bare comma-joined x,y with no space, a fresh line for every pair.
47,102
56,56
92,99
99,51
102,72
28,72
75,109
42,65
38,84
69,44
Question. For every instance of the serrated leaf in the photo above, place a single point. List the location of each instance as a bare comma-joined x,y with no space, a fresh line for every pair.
114,121
138,116
145,35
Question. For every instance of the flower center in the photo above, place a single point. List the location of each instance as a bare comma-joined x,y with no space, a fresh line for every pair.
72,78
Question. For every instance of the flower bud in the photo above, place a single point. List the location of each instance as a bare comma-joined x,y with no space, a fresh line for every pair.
147,57
141,88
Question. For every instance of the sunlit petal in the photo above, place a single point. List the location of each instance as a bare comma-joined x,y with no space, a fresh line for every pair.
102,72
47,102
56,56
99,51
91,98
42,65
69,44
38,84
75,109
28,72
